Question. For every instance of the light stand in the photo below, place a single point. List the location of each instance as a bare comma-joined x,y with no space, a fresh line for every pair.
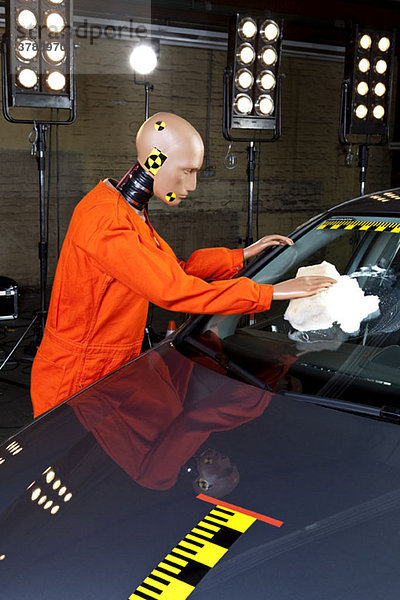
251,163
363,163
39,150
143,60
251,150
148,87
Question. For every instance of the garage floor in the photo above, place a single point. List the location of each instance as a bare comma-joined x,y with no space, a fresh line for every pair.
15,404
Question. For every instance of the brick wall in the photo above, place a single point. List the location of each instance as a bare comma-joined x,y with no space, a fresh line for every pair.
300,175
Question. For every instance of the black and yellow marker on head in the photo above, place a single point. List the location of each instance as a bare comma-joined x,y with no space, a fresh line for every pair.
170,197
155,161
159,126
184,567
360,225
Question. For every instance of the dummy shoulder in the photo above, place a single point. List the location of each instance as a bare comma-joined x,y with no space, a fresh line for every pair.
101,210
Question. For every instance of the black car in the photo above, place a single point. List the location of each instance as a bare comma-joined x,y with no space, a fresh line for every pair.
238,458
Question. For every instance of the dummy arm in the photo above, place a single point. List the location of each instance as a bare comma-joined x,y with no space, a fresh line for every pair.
300,287
266,242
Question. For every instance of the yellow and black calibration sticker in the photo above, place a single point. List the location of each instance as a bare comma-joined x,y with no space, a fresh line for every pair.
159,126
177,575
155,160
170,196
361,225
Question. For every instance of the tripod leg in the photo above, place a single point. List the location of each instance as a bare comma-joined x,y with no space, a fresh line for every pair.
31,324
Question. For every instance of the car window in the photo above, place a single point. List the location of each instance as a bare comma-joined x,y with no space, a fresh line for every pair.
361,365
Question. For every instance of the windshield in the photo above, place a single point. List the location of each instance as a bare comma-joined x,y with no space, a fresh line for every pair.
361,366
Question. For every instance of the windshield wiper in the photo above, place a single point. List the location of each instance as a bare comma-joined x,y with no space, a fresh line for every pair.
226,363
385,413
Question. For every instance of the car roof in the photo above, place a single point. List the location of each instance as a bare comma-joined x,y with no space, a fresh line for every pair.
385,202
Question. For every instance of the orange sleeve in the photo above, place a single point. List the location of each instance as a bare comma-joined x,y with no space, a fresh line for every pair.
214,263
156,275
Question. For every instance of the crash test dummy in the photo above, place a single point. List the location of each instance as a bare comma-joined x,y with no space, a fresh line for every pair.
113,263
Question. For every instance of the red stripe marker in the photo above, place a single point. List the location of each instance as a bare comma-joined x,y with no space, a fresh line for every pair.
251,513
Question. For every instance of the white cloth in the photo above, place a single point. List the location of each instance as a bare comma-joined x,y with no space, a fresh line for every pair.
344,303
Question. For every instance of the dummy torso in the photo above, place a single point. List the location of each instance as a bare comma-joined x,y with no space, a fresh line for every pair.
111,265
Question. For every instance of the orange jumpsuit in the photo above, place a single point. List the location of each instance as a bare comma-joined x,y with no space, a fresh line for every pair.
111,265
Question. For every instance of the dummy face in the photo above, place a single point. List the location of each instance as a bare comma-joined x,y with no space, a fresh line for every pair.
216,474
171,150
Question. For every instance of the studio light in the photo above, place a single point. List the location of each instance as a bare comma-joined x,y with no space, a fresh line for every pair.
56,81
380,89
39,36
361,111
246,54
26,20
369,73
362,88
364,65
381,67
269,31
266,81
251,90
54,53
143,58
55,22
264,105
384,44
244,79
26,50
268,56
247,28
365,42
378,112
27,78
243,104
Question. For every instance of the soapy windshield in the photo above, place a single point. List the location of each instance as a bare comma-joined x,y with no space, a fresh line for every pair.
361,365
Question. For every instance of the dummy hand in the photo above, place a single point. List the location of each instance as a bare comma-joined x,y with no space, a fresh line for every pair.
266,242
301,287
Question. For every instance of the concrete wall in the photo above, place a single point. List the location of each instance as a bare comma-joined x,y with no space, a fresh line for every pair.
300,175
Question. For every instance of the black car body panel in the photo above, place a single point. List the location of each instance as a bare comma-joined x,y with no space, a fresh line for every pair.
96,493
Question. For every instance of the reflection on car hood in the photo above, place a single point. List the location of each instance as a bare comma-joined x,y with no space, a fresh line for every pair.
98,492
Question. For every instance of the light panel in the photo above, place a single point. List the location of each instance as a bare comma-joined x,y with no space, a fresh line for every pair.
369,72
254,52
40,53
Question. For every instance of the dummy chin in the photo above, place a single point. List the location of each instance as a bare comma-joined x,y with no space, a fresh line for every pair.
164,190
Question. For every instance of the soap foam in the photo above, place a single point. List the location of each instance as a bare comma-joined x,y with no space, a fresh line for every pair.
343,303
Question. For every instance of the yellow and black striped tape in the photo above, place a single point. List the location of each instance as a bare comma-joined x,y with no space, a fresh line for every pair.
349,224
177,575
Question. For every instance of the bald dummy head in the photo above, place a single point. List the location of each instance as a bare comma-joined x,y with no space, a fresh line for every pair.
171,151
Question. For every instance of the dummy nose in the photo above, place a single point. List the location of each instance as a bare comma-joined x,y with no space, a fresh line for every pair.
192,182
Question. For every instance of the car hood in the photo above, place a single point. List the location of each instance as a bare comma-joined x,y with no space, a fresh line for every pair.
95,494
